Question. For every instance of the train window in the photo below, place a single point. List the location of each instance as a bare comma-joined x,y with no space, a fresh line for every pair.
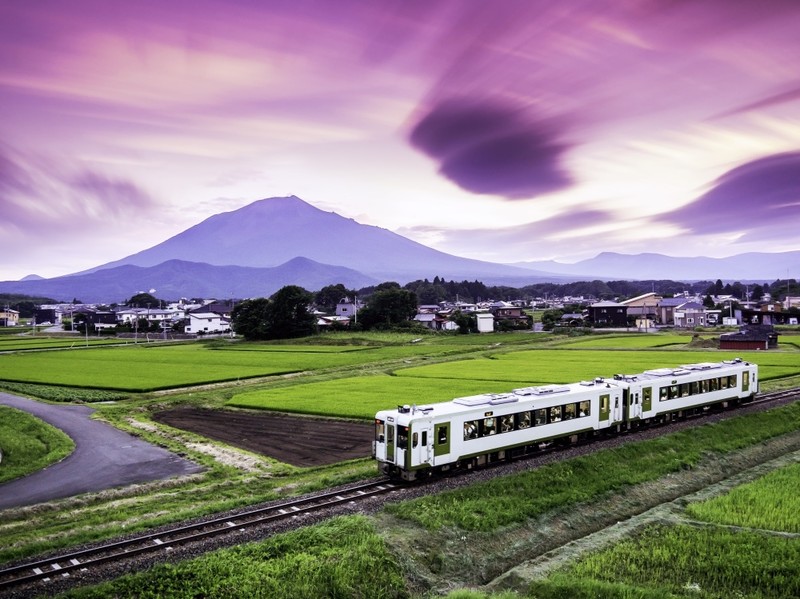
695,388
704,386
470,429
524,420
390,434
662,394
424,438
402,437
732,381
540,416
442,435
723,382
489,426
569,411
583,409
684,389
673,391
555,414
506,423
379,431
714,385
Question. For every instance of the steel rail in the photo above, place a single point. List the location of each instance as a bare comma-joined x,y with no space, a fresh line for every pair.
63,564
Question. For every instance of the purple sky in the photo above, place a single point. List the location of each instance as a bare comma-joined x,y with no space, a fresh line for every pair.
505,131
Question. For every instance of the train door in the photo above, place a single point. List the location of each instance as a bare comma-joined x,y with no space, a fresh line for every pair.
441,439
745,380
617,407
647,399
390,442
379,443
605,407
421,444
635,403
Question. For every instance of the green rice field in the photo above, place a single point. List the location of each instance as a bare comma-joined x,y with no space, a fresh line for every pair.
139,368
769,503
362,396
684,561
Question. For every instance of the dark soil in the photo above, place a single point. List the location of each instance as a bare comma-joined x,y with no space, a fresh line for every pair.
299,441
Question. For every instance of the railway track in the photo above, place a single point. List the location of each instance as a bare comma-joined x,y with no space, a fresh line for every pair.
64,565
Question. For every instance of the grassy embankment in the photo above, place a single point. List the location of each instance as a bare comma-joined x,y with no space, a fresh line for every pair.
28,444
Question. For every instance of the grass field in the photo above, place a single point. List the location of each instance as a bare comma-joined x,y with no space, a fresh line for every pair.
684,561
139,368
28,444
362,396
17,343
769,503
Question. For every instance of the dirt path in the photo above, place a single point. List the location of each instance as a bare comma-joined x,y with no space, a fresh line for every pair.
295,440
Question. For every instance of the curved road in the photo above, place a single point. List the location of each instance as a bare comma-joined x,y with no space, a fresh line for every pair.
104,457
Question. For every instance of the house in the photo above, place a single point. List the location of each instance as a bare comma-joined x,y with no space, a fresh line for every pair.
436,321
750,337
666,307
509,313
609,314
348,307
206,323
689,315
9,317
571,319
645,305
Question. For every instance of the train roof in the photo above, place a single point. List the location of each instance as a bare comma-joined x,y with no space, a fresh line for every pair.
657,373
461,405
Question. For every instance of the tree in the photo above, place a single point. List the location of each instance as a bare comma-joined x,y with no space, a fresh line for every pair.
290,315
388,308
327,297
708,301
284,315
550,318
252,318
144,300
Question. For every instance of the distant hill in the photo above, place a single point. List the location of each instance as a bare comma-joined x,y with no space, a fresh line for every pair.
752,266
177,278
271,232
257,249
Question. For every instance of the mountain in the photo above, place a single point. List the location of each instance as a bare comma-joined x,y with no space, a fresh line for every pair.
174,279
270,232
753,266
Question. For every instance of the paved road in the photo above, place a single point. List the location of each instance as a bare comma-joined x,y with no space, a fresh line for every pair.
104,457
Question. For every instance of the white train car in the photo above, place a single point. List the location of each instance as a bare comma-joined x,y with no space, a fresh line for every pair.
472,431
666,392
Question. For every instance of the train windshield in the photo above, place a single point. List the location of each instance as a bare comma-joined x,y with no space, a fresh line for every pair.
402,437
380,431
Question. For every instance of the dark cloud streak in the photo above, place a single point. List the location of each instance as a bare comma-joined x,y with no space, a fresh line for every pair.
756,195
489,147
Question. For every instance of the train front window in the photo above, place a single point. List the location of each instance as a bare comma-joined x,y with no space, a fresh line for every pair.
380,431
402,437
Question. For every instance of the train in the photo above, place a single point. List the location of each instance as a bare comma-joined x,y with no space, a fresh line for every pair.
413,441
